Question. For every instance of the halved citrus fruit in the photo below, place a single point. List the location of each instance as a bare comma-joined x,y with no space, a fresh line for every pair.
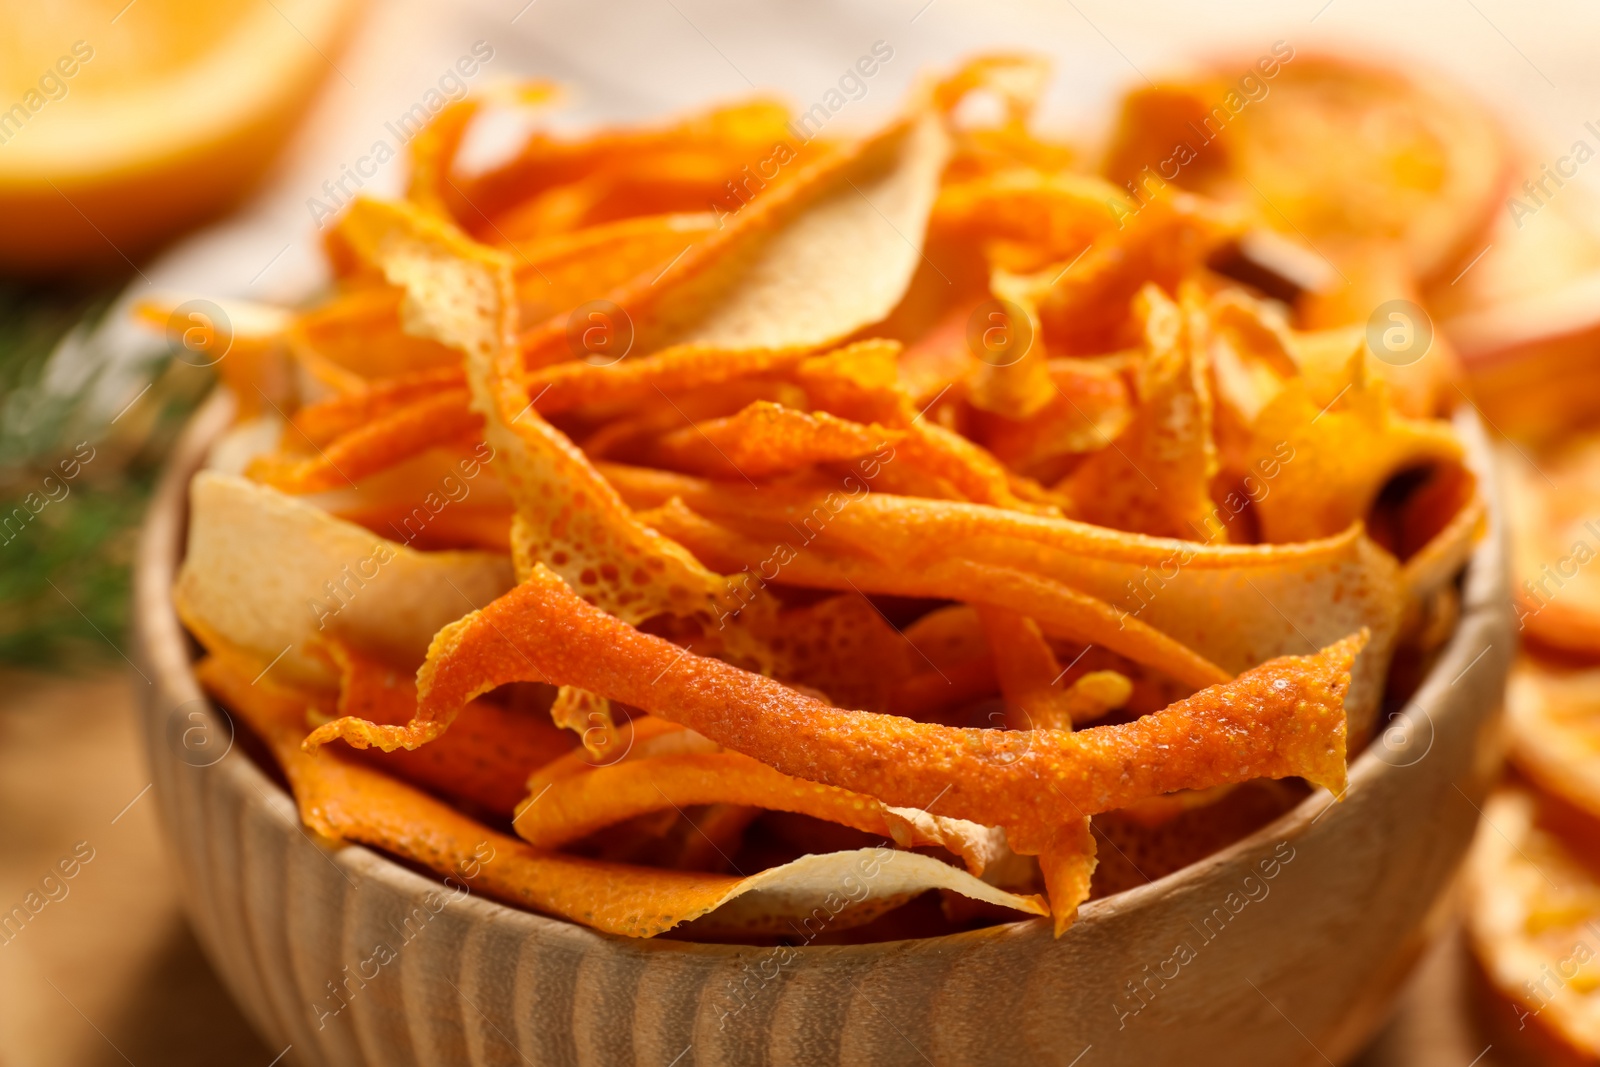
1533,917
120,122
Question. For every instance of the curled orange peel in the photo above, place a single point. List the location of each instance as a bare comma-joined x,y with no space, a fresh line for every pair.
485,761
343,800
1058,608
1284,718
767,438
576,805
1067,863
374,446
1198,612
1155,478
1027,670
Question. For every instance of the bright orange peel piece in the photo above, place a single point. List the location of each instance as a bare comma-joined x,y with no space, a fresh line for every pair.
1285,718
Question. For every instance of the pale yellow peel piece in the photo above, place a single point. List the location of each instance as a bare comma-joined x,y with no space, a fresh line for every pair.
269,574
798,289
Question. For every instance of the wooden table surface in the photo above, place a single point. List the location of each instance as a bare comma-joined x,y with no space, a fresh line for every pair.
110,974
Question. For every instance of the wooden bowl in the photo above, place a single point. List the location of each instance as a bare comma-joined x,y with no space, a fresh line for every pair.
1284,948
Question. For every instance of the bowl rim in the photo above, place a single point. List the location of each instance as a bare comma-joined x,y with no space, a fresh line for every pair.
164,646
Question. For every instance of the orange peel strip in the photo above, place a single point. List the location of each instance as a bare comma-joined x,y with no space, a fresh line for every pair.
1090,407
565,386
485,760
361,336
461,293
861,382
842,647
336,416
1340,455
255,368
1054,217
344,800
735,133
239,585
1027,669
1156,476
1084,311
1057,607
436,420
341,799
358,338
554,389
642,737
1282,719
434,149
574,806
735,287
978,475
767,438
1068,864
1232,605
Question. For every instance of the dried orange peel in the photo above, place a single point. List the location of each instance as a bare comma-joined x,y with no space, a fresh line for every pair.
1290,713
344,800
485,761
1158,479
707,502
577,805
1552,723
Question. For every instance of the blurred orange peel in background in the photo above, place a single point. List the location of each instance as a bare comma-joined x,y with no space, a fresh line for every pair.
715,506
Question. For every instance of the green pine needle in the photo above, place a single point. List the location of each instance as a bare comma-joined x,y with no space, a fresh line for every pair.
65,571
